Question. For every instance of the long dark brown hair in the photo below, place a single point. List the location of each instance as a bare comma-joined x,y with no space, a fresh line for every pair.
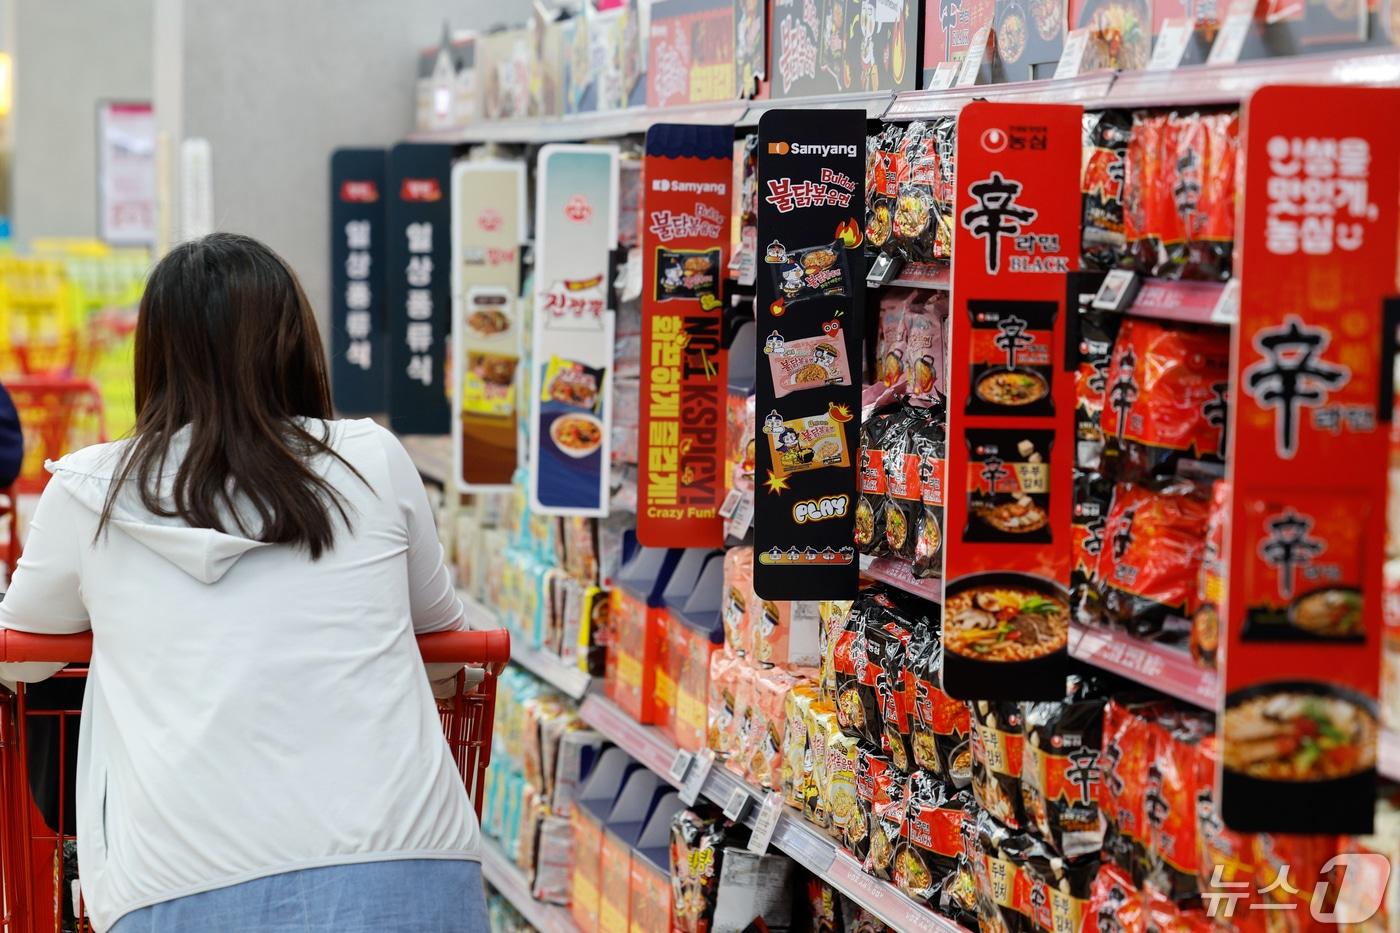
227,346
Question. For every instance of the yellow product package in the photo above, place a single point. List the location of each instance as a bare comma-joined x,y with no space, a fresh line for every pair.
821,723
842,759
796,763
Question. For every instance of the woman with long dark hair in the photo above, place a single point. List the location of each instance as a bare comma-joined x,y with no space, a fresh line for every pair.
259,746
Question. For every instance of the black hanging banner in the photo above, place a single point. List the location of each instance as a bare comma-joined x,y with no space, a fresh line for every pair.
811,293
359,367
419,287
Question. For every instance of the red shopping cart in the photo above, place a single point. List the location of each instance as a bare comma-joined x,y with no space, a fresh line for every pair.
36,824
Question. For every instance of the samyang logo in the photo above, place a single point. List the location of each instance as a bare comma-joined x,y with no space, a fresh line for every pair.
688,187
850,150
359,192
578,209
489,220
420,189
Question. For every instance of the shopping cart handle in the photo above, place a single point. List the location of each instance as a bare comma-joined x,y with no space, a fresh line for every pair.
490,647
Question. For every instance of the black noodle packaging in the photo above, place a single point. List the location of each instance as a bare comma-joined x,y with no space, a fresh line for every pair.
811,217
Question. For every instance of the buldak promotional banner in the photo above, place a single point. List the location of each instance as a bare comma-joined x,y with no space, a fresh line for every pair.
811,294
488,226
685,236
1011,401
359,369
572,352
419,294
1310,406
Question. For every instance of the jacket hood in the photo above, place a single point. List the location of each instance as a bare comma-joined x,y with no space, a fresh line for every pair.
203,553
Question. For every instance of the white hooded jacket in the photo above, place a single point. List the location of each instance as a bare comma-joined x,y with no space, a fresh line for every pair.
249,711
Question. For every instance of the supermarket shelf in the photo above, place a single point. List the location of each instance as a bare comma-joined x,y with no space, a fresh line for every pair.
603,123
545,665
1089,90
1161,667
875,104
502,875
896,573
933,275
1388,759
806,844
432,455
1224,84
1191,302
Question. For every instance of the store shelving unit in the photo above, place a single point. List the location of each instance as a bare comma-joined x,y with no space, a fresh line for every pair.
1161,667
931,275
897,573
806,844
545,665
502,875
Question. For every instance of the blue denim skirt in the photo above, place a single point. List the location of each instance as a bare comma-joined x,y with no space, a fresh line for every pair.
397,896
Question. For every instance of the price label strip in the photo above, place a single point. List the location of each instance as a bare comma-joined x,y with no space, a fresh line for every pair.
737,804
768,813
680,765
695,777
1172,40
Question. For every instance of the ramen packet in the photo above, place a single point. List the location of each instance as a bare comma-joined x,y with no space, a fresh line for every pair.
745,711
1201,182
1060,888
1128,747
931,443
809,362
833,614
573,384
796,770
1093,494
957,896
1147,209
842,758
1226,857
812,272
997,757
808,443
1097,332
1004,888
934,814
892,335
1154,539
740,430
1288,872
821,725
875,777
1166,396
765,748
941,725
698,841
1061,790
1210,579
873,485
886,831
1173,787
904,445
915,206
885,171
1106,135
887,641
722,724
687,274
739,599
1115,903
856,710
925,347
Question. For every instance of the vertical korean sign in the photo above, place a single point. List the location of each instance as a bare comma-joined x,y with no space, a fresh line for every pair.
419,298
811,295
488,226
572,351
1308,467
358,365
1011,402
685,230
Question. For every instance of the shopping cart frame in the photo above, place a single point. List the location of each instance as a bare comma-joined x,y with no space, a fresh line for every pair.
32,903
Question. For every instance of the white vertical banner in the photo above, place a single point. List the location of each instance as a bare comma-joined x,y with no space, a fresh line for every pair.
196,189
126,173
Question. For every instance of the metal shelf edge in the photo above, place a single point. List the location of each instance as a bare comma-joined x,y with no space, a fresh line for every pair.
510,882
1161,667
570,681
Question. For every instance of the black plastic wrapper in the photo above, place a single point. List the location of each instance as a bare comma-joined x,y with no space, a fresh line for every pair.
1059,890
905,438
870,504
1061,776
932,446
696,840
813,272
884,167
1097,332
887,639
857,711
941,725
1093,494
881,791
1106,134
957,899
1001,856
934,814
996,759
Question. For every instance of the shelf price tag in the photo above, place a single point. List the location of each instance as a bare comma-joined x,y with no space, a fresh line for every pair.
680,765
1072,56
695,777
976,54
740,521
737,804
943,76
1172,40
768,813
1229,41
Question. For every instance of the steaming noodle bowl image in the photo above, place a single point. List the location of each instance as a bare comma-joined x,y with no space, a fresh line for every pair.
1298,736
1005,623
576,435
1011,387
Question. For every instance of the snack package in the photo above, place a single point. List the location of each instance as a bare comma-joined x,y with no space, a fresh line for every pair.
1202,188
1166,396
809,362
809,443
933,827
722,731
1093,495
875,777
842,758
903,497
887,641
763,748
554,866
997,739
745,713
687,274
925,347
1210,580
1060,785
1128,747
1115,903
1060,889
872,483
1003,886
813,272
931,444
821,725
1106,135
834,613
941,725
697,844
1154,540
885,170
886,824
797,764
739,597
1173,793
785,632
895,305
1098,330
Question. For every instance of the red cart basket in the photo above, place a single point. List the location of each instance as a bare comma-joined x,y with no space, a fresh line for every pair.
33,889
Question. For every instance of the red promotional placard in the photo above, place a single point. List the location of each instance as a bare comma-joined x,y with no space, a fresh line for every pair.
1011,402
1301,661
685,237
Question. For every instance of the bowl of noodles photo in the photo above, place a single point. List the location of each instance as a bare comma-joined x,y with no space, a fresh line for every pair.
1011,388
1285,746
576,434
1331,613
1005,618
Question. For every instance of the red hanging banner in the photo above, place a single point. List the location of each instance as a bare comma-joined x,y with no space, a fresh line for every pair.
686,203
1298,721
1011,402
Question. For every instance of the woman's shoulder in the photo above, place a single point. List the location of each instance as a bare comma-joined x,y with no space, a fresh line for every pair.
101,461
363,440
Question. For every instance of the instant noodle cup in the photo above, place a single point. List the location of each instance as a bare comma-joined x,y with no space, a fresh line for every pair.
808,362
797,766
1150,560
739,599
997,758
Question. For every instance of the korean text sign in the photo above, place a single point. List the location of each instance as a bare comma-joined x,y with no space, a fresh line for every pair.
685,231
418,294
1010,458
488,226
358,364
572,351
811,296
1308,465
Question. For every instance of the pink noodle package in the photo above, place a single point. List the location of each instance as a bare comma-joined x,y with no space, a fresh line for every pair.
808,362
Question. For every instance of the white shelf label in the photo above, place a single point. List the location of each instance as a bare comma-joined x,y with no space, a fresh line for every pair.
740,521
976,54
768,813
1229,41
695,777
1172,41
1227,307
680,765
731,502
943,76
737,803
1072,55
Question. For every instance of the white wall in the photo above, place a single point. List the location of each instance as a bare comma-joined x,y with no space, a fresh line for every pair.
68,55
275,85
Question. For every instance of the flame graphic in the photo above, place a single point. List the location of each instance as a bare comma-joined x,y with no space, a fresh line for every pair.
777,308
848,232
838,413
